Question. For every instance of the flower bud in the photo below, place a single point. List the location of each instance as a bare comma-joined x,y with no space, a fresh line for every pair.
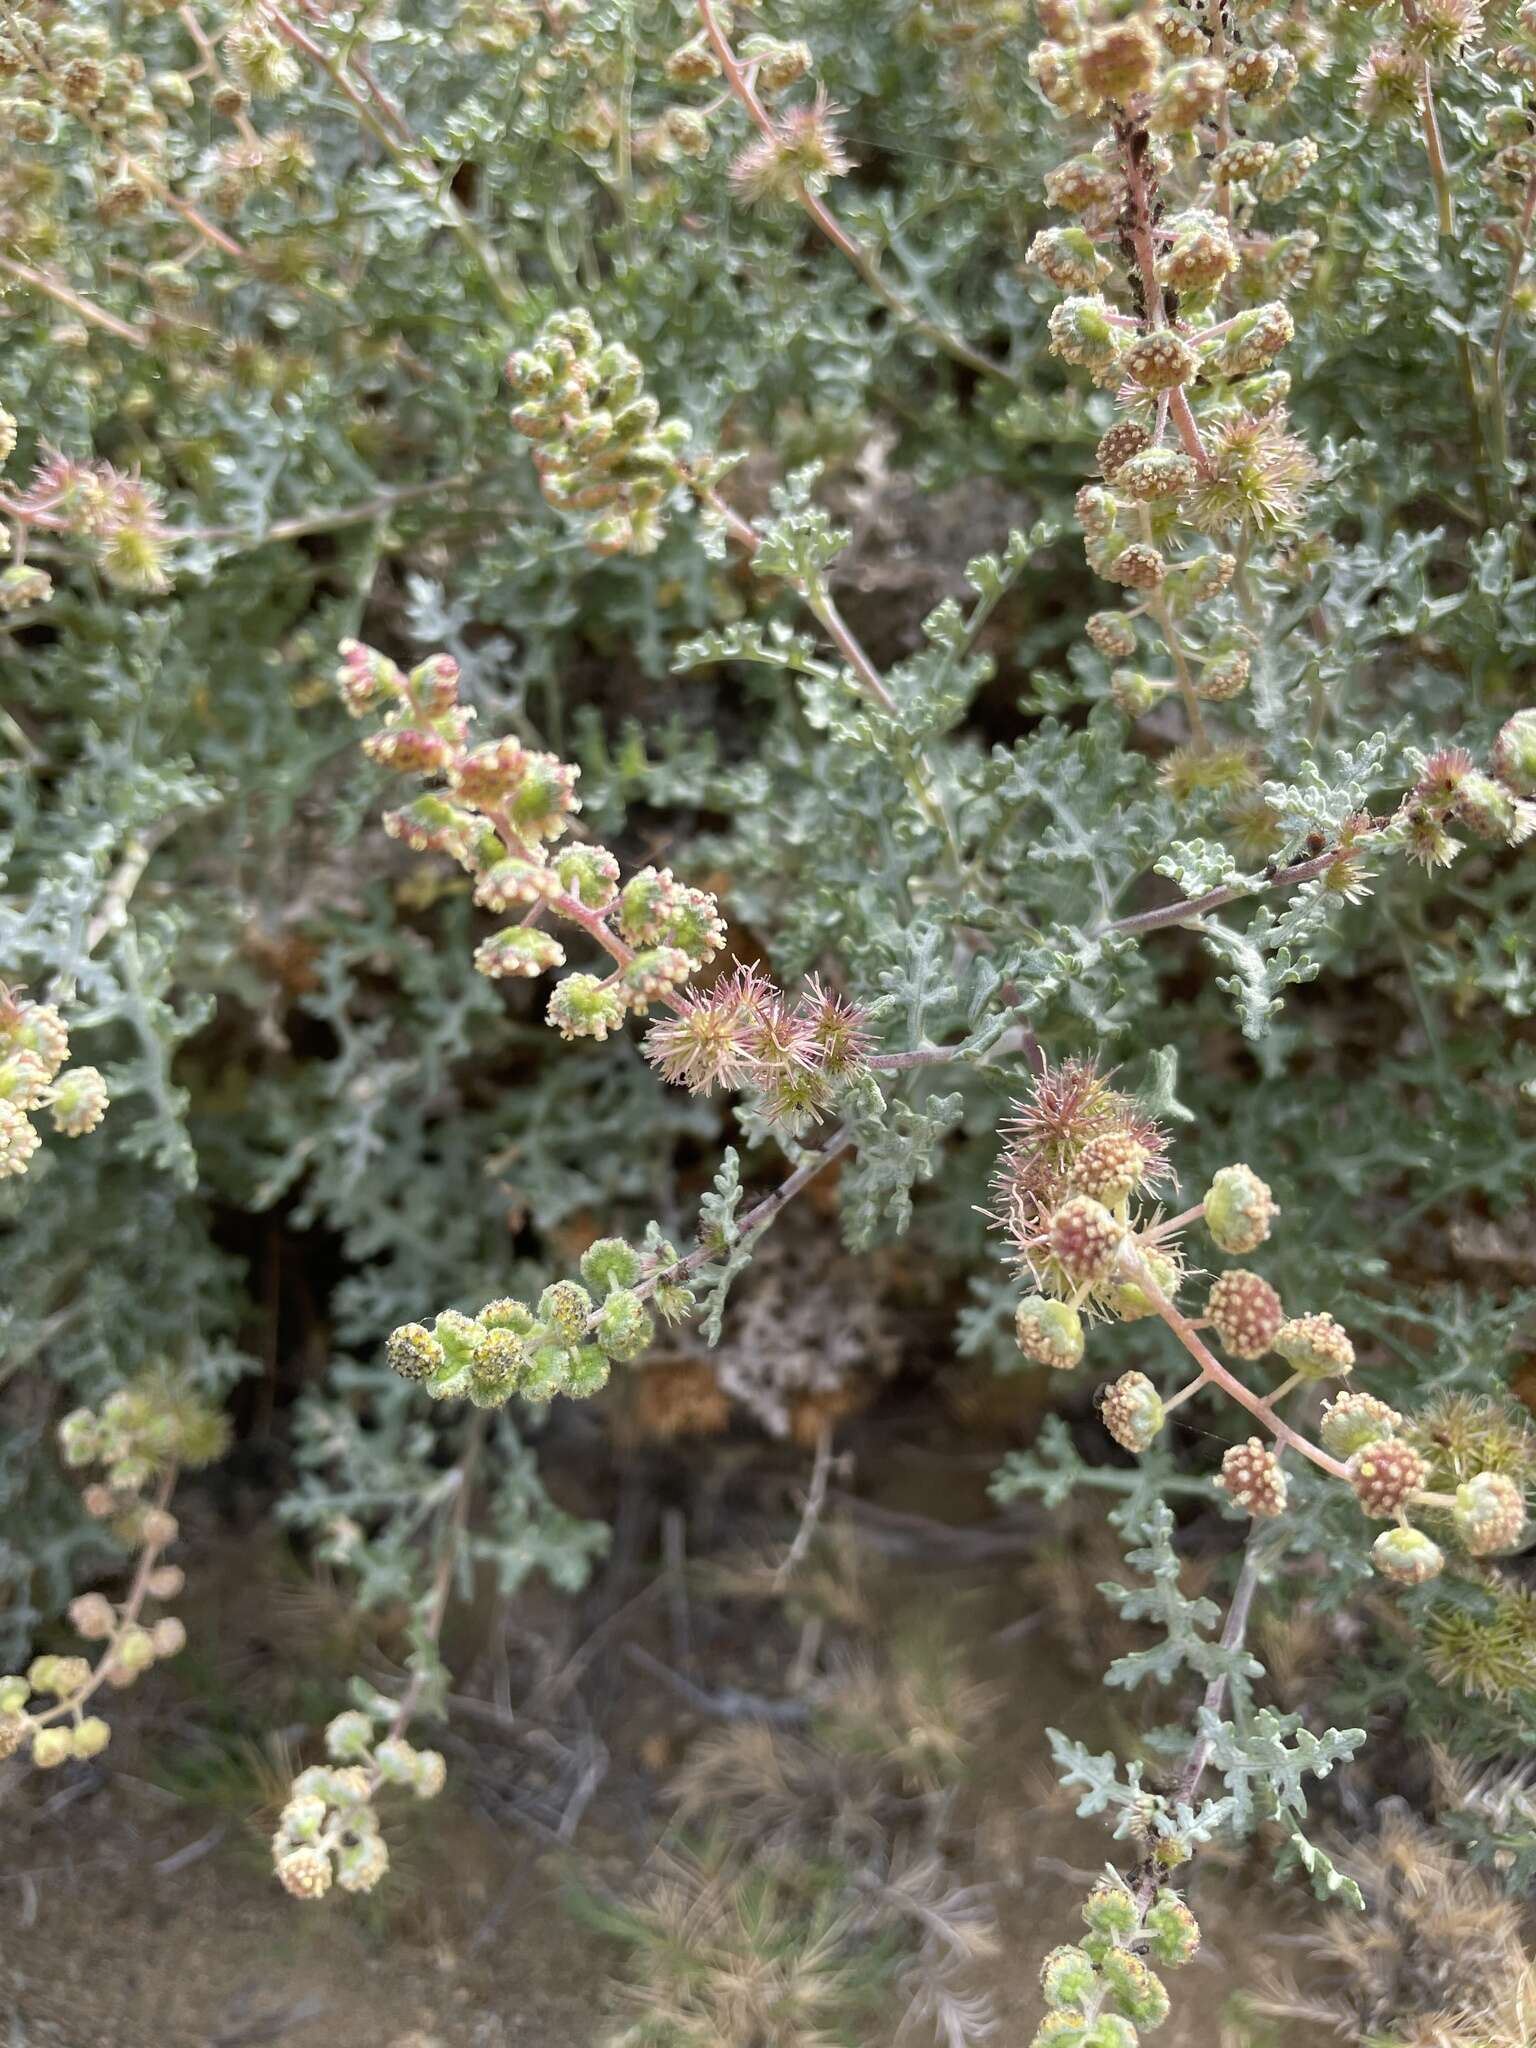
13,1733
15,1691
1189,94
1159,473
1118,444
304,1871
1068,1977
430,1774
134,1650
1514,754
1239,1210
1049,1332
1384,1475
1251,1477
18,1141
1408,1556
1315,1346
1110,1167
79,1102
1135,694
1489,1514
414,1352
1254,339
581,1006
90,1737
1224,677
158,1528
608,1263
1159,360
519,950
1246,1312
59,1676
1135,1988
1081,333
1132,1411
623,1327
22,586
1244,161
500,1368
1085,1239
52,1747
349,1737
167,1582
1112,634
1120,61
93,1617
1489,809
1068,258
1110,1909
361,1864
1352,1421
1172,1931
1138,566
1200,254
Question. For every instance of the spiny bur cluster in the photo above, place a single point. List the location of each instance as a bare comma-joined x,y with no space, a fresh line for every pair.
328,1832
1102,1991
34,1046
1099,1255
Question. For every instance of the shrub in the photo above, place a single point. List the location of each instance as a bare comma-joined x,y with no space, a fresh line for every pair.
1060,593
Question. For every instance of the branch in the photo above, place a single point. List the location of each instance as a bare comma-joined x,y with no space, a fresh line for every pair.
839,236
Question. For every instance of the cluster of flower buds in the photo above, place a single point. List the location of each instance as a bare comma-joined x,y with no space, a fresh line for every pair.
1497,802
499,810
565,1343
601,448
1066,1185
1176,305
34,1045
141,1434
328,1832
118,517
1102,1991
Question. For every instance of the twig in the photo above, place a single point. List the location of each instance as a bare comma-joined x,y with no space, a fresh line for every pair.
1195,907
841,239
815,1500
63,295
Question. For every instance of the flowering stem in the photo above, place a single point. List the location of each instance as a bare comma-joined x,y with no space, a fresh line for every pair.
128,1617
820,603
454,1525
1213,1371
326,518
818,211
